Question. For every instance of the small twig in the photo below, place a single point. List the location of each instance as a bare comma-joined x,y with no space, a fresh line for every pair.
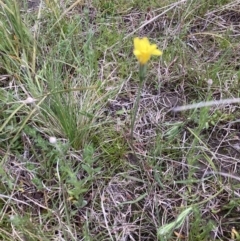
207,103
105,216
223,174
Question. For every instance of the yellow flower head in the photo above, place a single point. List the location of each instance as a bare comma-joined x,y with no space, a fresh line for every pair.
143,50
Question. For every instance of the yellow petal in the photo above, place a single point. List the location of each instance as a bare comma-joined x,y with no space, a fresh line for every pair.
157,52
136,43
136,52
146,41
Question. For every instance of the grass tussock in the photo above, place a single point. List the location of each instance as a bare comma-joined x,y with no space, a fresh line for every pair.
69,169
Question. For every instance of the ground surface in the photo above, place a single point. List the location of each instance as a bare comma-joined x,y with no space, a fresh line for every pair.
69,81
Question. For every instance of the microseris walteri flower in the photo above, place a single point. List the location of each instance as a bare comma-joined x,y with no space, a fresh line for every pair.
143,50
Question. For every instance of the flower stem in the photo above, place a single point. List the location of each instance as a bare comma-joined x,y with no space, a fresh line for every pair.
142,71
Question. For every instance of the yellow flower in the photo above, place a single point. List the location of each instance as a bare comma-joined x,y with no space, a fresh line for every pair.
143,50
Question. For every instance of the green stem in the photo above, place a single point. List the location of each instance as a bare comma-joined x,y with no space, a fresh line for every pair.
142,71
